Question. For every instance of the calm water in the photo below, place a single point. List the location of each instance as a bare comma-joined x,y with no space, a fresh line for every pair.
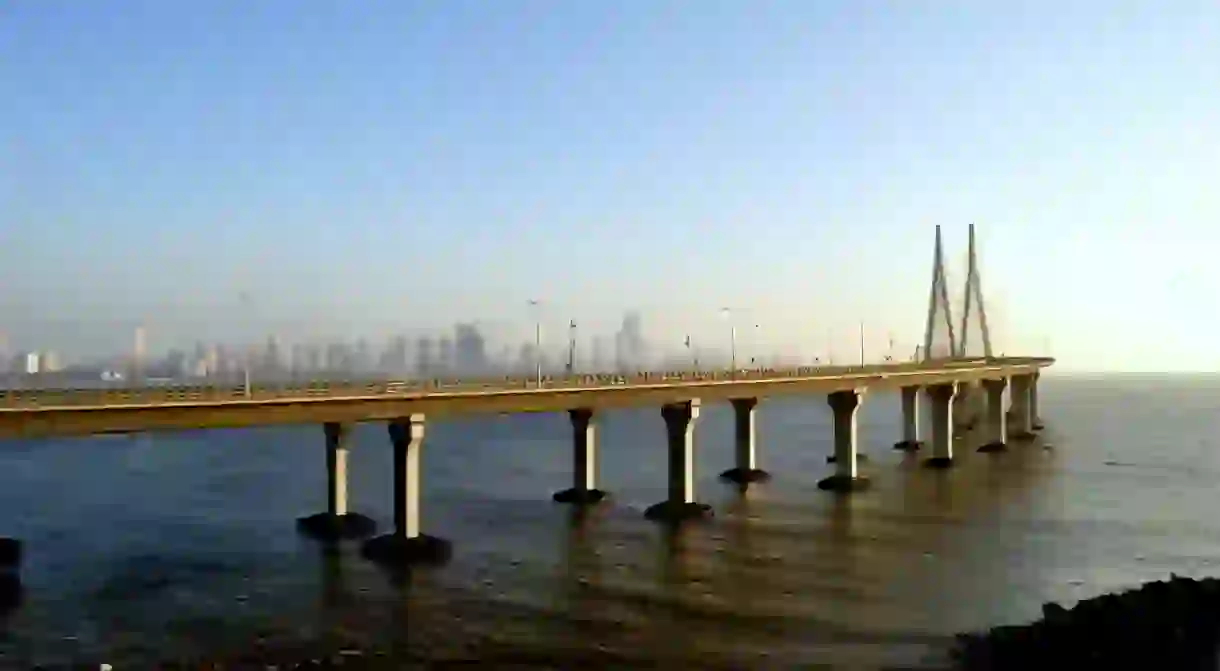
144,547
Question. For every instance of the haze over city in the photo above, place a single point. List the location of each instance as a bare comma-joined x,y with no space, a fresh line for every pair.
364,170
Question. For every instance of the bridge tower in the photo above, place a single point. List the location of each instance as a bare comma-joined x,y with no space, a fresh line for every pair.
939,340
973,306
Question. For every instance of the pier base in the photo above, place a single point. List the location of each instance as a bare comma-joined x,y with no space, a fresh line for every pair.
332,527
10,554
938,463
579,496
677,511
859,457
909,445
398,550
744,476
843,483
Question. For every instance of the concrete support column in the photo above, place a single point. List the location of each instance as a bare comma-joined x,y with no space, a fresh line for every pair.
407,544
746,468
942,401
10,576
910,421
336,523
680,429
844,406
1019,408
584,460
1035,419
996,419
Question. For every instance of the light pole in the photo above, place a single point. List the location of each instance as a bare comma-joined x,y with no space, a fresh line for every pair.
862,344
572,347
247,304
728,314
536,304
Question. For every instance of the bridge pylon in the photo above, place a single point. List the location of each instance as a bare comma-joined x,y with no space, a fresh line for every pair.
973,306
940,341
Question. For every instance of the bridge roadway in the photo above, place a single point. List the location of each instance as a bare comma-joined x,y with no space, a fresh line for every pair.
34,413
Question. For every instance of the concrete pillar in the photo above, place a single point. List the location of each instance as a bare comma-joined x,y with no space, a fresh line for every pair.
996,419
10,577
680,429
844,406
584,460
336,523
746,469
942,398
1019,411
407,544
1035,419
910,421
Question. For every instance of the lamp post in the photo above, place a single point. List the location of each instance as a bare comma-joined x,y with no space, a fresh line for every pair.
728,314
248,305
536,304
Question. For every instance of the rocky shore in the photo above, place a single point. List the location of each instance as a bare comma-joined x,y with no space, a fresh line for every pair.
1167,624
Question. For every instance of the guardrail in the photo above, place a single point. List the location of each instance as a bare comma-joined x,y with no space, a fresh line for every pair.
18,399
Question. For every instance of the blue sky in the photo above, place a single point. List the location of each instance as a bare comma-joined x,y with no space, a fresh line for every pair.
366,167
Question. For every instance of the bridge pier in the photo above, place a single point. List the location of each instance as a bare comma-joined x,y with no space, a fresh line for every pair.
1035,419
10,576
997,425
746,469
910,421
407,545
942,401
680,429
336,523
845,405
584,460
1020,407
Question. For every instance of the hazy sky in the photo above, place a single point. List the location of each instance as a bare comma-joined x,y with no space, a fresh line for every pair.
362,167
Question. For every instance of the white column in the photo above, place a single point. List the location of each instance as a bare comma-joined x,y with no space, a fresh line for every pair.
407,434
584,460
942,401
1035,419
910,419
337,436
1019,399
997,424
844,406
743,433
680,427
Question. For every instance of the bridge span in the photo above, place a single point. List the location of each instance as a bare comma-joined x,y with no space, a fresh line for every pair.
406,404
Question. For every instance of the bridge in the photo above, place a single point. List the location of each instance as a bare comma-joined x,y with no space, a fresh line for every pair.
973,387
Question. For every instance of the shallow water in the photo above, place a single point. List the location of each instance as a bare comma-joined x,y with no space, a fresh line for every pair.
154,546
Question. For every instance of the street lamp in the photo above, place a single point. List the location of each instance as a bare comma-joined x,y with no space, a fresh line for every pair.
247,304
536,305
728,314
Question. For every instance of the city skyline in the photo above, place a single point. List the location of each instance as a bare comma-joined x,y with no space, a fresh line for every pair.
370,168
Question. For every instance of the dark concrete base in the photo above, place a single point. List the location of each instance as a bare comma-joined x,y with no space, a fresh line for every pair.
859,457
399,551
993,447
580,496
743,476
328,527
668,511
908,445
11,592
843,483
939,462
1024,436
1038,426
10,553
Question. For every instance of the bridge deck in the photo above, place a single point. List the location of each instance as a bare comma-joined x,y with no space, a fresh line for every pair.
40,412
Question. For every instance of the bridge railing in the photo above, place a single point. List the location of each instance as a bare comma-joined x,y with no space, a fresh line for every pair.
194,394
